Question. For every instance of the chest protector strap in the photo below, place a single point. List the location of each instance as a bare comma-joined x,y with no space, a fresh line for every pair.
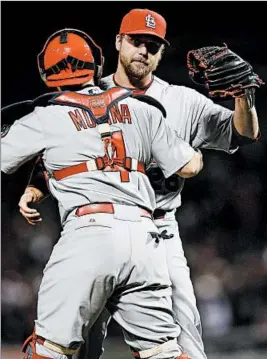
98,106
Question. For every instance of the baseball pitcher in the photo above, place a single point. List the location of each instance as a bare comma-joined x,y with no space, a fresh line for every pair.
196,119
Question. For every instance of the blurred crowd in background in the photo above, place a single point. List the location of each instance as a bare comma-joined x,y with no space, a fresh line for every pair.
224,230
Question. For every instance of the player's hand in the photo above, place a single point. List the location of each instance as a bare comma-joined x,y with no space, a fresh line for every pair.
193,167
31,195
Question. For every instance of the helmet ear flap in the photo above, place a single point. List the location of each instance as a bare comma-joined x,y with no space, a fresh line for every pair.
40,60
99,69
98,57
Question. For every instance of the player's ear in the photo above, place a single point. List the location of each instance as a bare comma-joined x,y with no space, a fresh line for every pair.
118,42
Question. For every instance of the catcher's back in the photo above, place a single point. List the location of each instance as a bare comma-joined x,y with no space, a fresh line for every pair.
87,167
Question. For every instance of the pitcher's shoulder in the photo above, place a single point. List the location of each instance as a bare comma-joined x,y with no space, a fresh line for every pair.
173,88
183,93
146,104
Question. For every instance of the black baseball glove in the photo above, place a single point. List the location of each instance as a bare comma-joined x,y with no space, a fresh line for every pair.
222,72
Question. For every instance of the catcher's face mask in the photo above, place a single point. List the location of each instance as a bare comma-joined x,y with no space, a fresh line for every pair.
70,57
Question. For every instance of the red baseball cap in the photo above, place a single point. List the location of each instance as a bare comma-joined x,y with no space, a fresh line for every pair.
144,21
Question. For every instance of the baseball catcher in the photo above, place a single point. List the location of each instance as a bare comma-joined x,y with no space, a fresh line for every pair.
223,73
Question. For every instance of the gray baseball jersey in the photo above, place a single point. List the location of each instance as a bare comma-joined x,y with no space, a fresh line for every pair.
66,136
196,119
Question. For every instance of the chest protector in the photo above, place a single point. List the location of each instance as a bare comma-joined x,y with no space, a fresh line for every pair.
98,106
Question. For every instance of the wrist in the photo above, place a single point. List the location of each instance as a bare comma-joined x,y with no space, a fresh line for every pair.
247,99
37,194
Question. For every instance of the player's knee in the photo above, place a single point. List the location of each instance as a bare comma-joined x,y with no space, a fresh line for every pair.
36,347
169,349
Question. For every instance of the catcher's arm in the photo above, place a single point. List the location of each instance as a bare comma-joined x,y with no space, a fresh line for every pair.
193,167
31,195
226,75
35,192
36,189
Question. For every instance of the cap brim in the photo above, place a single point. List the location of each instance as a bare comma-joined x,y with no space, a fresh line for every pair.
142,32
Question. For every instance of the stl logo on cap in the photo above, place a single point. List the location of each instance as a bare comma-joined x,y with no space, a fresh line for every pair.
150,21
144,22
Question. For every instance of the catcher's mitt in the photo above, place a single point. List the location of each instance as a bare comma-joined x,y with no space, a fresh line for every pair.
221,71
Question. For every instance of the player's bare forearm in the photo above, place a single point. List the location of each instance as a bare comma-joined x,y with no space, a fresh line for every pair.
246,118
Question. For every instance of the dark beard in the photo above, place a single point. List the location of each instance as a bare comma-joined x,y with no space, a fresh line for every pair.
135,76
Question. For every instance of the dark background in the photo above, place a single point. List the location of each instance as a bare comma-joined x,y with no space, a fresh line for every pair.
223,217
27,24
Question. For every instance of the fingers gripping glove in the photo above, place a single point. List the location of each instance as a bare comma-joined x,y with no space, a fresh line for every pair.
222,72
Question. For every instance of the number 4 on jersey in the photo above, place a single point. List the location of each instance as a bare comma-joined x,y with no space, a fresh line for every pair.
118,155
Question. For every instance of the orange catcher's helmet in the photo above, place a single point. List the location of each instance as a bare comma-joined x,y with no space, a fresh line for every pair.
70,57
